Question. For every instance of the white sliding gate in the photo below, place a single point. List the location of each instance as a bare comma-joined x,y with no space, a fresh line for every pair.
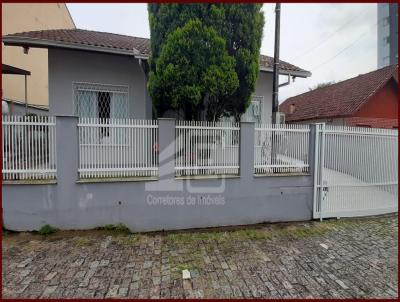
355,171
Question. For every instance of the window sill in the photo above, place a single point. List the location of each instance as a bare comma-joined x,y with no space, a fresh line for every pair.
283,174
201,177
30,182
116,179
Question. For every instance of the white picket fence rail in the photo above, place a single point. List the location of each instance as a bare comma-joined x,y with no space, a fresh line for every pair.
206,148
117,148
357,171
29,147
281,148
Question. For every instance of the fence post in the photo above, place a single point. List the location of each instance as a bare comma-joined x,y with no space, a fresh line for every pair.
246,150
67,149
166,137
311,149
313,162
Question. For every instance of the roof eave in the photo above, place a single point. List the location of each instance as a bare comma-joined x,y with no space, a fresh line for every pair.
39,43
294,73
318,117
301,74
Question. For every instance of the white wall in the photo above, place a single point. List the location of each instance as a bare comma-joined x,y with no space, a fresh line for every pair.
330,121
68,66
264,88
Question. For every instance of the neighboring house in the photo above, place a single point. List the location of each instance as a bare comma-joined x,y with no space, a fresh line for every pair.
368,100
20,17
97,74
13,107
388,35
18,108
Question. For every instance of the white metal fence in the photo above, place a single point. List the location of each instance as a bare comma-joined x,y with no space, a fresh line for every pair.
29,147
281,148
206,148
117,148
357,171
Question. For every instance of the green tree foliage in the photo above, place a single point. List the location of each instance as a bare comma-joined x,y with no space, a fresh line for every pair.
321,85
240,26
193,65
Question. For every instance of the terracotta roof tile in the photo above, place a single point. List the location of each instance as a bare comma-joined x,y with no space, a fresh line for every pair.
119,42
339,99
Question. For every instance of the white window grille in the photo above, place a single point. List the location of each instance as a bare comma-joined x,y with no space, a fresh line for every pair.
206,148
281,148
29,147
101,101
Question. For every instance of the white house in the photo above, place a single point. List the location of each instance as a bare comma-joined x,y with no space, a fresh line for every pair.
98,74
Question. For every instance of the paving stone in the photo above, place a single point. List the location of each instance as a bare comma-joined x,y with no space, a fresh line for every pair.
113,292
50,276
104,262
48,291
24,273
360,261
341,283
24,263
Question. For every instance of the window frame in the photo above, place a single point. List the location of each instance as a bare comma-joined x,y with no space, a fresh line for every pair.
110,88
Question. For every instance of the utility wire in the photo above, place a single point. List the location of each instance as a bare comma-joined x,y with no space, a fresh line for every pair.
316,45
344,49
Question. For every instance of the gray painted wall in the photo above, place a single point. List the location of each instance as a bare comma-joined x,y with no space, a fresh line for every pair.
69,204
69,66
264,88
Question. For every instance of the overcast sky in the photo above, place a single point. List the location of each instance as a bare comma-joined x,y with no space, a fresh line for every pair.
333,41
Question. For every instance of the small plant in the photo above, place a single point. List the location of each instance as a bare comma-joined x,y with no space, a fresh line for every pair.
107,227
130,240
47,229
251,234
81,241
120,228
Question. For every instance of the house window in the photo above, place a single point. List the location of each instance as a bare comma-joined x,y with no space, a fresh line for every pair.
254,112
101,101
104,104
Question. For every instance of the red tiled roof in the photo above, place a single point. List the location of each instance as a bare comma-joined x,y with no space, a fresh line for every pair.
103,40
387,123
87,37
339,99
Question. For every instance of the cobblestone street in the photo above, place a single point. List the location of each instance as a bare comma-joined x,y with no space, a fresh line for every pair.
332,259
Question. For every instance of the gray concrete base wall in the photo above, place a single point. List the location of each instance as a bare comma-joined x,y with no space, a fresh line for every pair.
164,204
264,199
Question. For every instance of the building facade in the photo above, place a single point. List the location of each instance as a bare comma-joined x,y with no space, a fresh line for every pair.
104,75
22,17
387,34
368,100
